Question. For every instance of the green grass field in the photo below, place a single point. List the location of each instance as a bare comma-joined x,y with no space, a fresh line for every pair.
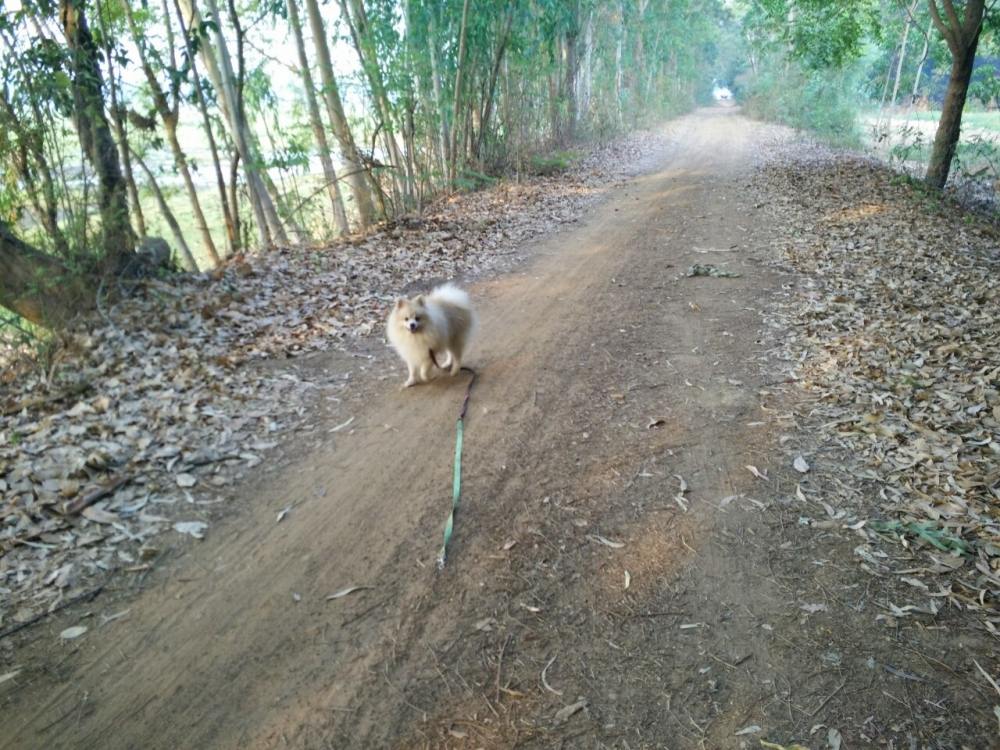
979,120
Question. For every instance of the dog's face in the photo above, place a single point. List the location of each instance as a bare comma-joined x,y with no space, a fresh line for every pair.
411,313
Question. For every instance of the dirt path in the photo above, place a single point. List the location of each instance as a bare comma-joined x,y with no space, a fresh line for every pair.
581,575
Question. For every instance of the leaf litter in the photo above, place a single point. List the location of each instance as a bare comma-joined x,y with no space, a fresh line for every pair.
153,405
894,340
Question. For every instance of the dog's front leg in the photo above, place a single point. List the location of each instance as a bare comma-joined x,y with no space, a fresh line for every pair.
411,375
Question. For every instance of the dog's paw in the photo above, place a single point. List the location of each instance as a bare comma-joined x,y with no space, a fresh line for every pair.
408,384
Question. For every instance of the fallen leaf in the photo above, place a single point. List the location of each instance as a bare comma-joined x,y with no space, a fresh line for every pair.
752,729
567,711
191,528
349,590
186,480
9,675
813,608
74,632
342,425
628,580
756,472
800,465
99,515
606,542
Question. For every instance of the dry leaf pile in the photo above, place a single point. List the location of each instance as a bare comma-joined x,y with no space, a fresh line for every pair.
896,334
152,408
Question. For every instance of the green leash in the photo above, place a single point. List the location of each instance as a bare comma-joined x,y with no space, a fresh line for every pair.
456,485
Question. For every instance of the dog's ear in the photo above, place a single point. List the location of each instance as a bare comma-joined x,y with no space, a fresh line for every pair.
399,302
418,300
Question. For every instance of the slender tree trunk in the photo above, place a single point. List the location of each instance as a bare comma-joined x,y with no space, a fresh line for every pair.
902,54
443,135
30,159
37,286
357,176
133,190
498,58
187,258
962,36
459,72
220,70
117,239
569,84
923,61
554,105
270,199
229,211
586,79
169,113
619,72
118,119
357,21
316,121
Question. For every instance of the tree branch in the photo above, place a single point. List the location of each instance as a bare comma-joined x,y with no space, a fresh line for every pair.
948,34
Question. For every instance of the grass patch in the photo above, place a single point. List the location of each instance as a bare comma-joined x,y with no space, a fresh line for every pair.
552,163
980,120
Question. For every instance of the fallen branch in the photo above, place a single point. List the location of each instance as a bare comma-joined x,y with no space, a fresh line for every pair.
86,596
545,683
71,509
30,403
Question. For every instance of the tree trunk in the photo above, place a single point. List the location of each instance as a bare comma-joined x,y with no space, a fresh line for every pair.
117,239
169,113
220,71
118,119
443,135
270,199
319,131
357,176
586,78
494,75
37,286
902,54
187,258
923,61
569,82
950,125
229,210
619,72
962,36
459,72
357,22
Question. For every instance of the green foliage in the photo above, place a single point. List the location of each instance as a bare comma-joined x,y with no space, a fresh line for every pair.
821,34
552,163
809,99
909,146
985,87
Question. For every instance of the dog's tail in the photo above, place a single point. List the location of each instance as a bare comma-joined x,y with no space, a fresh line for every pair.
451,295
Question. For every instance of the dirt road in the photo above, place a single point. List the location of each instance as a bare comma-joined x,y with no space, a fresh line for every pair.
618,577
